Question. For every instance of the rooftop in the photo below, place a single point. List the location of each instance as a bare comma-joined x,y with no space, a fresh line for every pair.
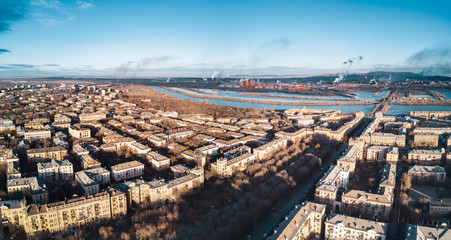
414,232
126,165
357,223
295,220
426,169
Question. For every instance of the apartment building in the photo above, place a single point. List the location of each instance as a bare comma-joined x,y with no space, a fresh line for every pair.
74,214
427,174
430,114
87,183
425,140
392,156
139,148
349,158
432,130
37,134
36,155
186,184
294,136
305,221
79,131
61,122
225,168
376,153
34,126
198,158
13,170
386,139
205,138
179,170
87,117
369,205
440,207
264,150
182,134
382,154
223,126
361,148
158,161
12,213
79,150
6,125
60,142
425,157
100,174
33,187
157,141
208,150
376,206
142,192
55,171
7,155
235,152
417,232
127,170
340,133
88,161
159,191
339,226
327,187
253,132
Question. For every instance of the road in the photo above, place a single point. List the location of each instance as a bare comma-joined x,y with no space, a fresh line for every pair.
297,198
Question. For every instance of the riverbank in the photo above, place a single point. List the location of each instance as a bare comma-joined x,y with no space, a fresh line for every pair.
428,101
198,91
316,103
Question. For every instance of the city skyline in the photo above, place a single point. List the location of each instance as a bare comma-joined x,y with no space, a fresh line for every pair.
202,38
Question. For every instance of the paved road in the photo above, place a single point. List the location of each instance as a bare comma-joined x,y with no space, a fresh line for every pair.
297,197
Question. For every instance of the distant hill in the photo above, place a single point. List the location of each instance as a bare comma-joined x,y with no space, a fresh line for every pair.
324,78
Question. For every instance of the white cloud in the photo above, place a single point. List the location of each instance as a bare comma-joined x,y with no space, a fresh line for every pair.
85,5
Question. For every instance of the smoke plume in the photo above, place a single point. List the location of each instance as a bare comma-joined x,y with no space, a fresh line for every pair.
145,63
432,61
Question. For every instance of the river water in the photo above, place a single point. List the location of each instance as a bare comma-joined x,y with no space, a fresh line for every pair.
394,108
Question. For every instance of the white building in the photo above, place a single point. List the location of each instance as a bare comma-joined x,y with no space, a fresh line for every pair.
100,174
87,183
37,134
327,187
339,226
434,174
87,161
425,157
6,125
376,153
139,148
7,155
303,222
55,171
209,150
31,186
417,232
158,161
78,131
127,170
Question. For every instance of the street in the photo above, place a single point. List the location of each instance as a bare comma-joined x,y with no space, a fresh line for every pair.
297,198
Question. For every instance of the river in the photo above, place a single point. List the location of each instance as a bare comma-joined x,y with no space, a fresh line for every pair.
394,108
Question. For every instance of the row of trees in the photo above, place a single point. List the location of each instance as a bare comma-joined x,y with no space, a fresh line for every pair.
413,209
224,209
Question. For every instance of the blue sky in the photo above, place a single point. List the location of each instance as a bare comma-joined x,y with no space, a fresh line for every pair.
197,38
